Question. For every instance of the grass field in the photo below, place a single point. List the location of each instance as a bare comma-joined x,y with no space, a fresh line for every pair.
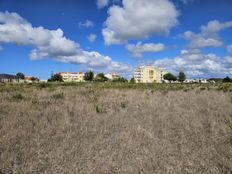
109,128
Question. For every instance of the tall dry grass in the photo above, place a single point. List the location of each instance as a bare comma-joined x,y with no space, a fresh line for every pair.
92,130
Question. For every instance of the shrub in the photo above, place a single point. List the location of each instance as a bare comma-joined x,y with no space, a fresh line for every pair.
17,97
58,96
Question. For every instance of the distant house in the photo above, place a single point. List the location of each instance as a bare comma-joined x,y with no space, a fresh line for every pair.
6,78
112,76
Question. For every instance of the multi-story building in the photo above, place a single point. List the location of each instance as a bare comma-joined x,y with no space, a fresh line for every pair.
149,74
72,77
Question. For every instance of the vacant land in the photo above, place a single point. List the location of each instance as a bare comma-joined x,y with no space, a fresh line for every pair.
115,128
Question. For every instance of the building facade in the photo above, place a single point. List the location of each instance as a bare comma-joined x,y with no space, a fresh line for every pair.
6,78
149,74
112,76
72,77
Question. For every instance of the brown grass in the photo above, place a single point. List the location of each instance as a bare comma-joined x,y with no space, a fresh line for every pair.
91,130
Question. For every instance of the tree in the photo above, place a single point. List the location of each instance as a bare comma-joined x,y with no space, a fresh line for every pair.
181,77
34,79
89,75
100,78
226,80
120,79
132,80
56,78
169,77
20,75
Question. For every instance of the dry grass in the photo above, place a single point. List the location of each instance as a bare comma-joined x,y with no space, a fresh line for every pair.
87,129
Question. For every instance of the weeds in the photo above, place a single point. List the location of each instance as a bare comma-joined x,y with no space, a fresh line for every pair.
17,97
58,96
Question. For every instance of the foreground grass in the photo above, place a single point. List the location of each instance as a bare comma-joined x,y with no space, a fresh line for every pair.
115,128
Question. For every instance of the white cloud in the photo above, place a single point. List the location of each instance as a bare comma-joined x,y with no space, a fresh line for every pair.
92,37
102,3
195,63
213,27
50,43
229,48
186,1
138,49
86,24
138,19
209,35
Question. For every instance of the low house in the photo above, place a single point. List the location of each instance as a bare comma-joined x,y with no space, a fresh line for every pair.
112,76
6,78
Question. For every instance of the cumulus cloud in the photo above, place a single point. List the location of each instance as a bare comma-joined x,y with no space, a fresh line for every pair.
209,35
138,19
229,48
138,49
102,3
92,38
194,63
86,24
49,43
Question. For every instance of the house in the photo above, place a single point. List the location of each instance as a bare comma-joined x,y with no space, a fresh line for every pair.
6,78
72,76
149,74
112,76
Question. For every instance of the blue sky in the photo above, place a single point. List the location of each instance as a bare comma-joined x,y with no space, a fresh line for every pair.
39,37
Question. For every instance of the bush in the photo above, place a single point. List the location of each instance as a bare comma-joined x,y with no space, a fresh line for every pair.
58,96
17,97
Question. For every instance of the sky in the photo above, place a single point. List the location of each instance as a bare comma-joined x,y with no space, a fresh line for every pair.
41,37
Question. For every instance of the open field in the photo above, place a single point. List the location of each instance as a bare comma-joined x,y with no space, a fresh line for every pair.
115,128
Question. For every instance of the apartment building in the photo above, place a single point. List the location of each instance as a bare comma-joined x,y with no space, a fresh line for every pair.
149,74
72,76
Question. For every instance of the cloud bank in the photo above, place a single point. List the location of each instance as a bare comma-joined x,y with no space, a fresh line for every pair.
51,44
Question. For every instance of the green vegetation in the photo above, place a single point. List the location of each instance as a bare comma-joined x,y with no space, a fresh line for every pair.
100,78
89,76
20,75
120,80
227,80
56,78
132,80
181,77
17,97
170,77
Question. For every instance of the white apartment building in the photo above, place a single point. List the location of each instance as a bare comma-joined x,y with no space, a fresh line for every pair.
72,76
149,74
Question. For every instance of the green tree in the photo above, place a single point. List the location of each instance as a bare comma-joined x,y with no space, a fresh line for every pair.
181,77
120,79
20,75
89,76
170,77
56,78
100,78
34,79
227,80
132,80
